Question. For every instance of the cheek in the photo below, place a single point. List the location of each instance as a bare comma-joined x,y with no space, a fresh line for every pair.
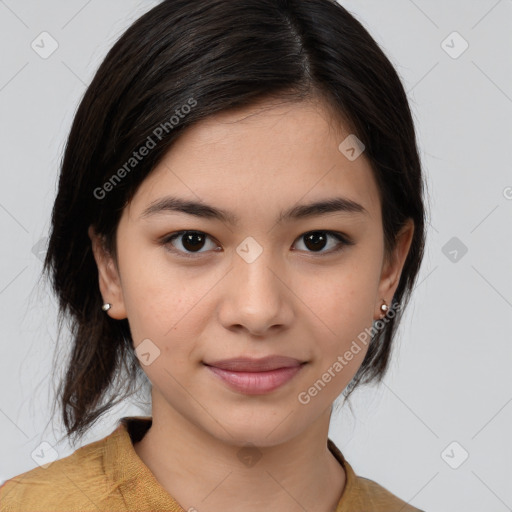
347,296
155,294
344,300
167,304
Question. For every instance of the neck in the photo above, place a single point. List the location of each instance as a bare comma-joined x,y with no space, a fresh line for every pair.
202,472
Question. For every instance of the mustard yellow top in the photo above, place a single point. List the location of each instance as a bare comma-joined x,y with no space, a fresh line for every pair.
108,475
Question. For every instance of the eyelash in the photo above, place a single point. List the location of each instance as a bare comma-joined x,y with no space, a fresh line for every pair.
166,241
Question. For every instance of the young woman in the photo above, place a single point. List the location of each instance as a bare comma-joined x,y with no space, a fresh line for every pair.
240,222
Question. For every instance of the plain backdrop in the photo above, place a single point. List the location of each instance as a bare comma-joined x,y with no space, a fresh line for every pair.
437,431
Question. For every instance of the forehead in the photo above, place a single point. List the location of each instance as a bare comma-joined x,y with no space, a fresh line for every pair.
261,158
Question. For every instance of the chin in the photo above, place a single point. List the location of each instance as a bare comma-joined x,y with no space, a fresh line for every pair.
262,429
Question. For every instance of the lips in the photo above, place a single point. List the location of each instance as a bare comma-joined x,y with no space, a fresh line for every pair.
255,376
247,364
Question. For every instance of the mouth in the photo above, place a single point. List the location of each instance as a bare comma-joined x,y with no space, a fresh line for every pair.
256,376
250,364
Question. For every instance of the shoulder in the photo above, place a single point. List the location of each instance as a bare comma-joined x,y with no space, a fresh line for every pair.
75,482
378,498
361,493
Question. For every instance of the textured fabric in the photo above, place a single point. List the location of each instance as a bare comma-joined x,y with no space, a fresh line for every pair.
108,475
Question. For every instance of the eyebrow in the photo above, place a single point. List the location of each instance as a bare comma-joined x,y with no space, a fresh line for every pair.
205,211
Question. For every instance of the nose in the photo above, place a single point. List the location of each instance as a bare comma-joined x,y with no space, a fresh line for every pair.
255,296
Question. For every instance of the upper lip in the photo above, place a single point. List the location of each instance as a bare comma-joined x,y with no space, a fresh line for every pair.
250,364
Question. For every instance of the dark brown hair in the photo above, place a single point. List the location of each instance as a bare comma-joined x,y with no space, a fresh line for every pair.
216,55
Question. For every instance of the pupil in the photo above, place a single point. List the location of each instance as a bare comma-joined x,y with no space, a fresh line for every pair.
317,239
191,240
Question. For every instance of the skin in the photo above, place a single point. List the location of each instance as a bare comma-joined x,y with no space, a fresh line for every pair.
295,299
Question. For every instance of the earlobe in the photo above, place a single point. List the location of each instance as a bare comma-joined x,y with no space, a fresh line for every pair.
392,269
108,278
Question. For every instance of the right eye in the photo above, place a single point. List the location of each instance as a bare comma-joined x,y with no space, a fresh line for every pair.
189,240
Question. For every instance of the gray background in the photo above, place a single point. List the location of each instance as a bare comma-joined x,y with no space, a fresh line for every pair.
450,379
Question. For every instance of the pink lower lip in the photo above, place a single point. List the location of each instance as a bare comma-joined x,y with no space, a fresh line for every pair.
256,383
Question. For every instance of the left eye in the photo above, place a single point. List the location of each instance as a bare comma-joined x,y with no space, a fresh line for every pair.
192,241
318,240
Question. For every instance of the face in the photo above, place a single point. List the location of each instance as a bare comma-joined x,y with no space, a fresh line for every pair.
269,277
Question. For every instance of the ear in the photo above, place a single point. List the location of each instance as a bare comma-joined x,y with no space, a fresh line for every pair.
109,280
393,265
